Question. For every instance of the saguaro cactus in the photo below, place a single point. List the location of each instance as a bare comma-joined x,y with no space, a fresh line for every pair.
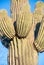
17,33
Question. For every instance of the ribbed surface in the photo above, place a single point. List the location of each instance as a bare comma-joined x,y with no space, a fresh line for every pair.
39,42
38,4
16,7
24,21
2,12
22,53
38,12
22,50
13,9
6,25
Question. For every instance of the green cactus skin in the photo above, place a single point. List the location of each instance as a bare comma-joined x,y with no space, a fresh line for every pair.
39,42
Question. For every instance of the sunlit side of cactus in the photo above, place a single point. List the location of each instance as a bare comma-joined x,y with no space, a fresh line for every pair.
13,9
39,42
38,12
23,50
24,21
6,25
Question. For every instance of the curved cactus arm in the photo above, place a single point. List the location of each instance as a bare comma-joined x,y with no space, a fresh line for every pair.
6,25
39,41
7,31
38,12
24,21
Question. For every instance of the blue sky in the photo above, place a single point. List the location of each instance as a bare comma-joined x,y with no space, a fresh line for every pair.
5,4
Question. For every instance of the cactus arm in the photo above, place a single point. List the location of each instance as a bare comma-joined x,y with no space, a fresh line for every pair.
39,41
38,12
6,28
6,25
24,21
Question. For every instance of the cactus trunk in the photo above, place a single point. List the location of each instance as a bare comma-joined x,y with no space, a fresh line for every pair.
21,53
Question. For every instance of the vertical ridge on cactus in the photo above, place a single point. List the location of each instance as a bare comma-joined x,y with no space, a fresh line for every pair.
39,42
13,9
38,12
24,18
19,38
20,50
6,25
